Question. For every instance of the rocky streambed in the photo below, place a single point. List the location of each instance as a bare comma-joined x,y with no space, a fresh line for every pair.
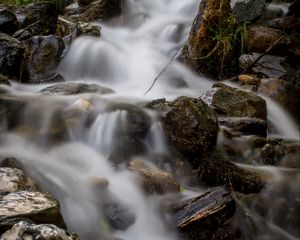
195,158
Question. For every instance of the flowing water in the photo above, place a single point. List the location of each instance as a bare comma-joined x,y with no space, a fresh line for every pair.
127,59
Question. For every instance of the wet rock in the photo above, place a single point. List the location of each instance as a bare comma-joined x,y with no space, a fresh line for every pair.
245,126
191,126
217,170
12,56
249,79
247,10
232,102
153,180
294,9
4,79
288,24
291,159
8,22
260,38
207,51
272,11
13,180
26,230
74,88
119,217
44,56
35,206
200,218
38,18
102,10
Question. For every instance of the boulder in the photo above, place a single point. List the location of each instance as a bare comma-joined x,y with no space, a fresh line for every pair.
214,43
74,88
102,10
217,170
153,180
44,56
26,230
294,9
288,24
247,10
192,127
35,206
232,102
38,18
8,22
245,126
12,56
14,180
200,217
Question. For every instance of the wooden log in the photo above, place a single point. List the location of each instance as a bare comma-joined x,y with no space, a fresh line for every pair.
199,218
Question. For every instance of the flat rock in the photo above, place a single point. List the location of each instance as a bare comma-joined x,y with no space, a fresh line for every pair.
26,230
35,206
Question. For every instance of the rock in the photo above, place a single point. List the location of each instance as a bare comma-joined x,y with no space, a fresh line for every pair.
288,24
269,65
44,56
248,79
8,22
102,10
74,88
12,56
4,80
283,92
272,11
38,18
118,216
153,180
232,102
211,49
200,217
217,170
13,180
35,206
245,126
247,10
294,9
192,127
26,230
260,38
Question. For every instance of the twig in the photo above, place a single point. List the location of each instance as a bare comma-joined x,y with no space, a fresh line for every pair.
161,73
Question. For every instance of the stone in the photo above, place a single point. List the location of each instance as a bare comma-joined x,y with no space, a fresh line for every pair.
4,80
211,49
14,180
75,88
35,206
39,18
232,102
12,56
44,56
153,180
26,230
8,22
200,217
191,126
245,126
288,24
294,9
248,79
247,10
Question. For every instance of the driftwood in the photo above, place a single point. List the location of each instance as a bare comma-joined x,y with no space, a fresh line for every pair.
199,218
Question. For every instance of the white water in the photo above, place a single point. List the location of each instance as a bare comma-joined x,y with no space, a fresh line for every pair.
127,59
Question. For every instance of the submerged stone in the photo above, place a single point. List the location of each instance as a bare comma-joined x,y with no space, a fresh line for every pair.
26,230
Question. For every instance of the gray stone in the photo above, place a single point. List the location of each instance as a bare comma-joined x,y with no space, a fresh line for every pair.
26,230
8,22
247,10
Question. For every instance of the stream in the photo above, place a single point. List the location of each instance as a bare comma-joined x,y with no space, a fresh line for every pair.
127,59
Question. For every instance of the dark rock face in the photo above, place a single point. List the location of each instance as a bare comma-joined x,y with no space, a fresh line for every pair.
232,102
248,11
40,17
190,124
208,51
74,88
8,22
294,9
26,230
12,55
44,56
199,218
288,24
